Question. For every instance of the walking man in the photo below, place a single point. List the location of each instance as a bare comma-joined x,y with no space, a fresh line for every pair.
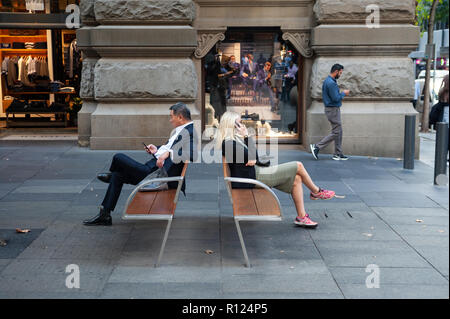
332,99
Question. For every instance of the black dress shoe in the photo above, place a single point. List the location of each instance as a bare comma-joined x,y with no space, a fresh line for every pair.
102,219
104,177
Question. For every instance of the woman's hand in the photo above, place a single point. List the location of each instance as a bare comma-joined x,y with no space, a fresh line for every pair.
241,129
251,163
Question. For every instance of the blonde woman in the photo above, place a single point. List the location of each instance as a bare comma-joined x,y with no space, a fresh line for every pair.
240,153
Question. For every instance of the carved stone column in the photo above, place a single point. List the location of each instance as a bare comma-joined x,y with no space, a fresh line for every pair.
377,72
145,66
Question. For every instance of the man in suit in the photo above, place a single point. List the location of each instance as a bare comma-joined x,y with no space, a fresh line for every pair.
248,72
263,84
172,155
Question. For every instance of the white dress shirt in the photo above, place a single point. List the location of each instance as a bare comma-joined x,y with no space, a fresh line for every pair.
167,147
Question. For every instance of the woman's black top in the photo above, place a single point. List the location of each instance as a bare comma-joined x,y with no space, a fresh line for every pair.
237,155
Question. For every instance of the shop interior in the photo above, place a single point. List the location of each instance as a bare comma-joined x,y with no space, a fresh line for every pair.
254,73
41,70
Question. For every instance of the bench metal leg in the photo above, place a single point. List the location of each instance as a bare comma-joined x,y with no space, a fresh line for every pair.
169,223
242,242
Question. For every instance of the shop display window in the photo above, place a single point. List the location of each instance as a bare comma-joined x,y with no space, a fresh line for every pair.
254,73
35,6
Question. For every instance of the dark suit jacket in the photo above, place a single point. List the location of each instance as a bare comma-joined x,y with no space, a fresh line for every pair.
237,155
183,150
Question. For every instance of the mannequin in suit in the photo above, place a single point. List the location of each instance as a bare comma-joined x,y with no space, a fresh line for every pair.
125,170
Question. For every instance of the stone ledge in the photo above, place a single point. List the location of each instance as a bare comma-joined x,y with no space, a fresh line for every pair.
137,36
360,35
144,11
351,11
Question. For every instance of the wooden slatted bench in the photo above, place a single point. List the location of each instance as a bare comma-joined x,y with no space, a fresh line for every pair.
154,205
257,204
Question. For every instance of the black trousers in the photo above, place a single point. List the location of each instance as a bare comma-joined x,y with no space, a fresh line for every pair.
125,170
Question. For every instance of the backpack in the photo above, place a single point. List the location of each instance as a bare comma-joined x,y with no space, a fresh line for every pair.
436,113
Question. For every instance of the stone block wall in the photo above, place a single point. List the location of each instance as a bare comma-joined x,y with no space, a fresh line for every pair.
143,66
377,71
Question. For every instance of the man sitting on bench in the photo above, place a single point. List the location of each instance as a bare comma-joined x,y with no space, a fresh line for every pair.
172,155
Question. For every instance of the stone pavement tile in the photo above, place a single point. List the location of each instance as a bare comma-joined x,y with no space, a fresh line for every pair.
335,204
368,185
6,188
27,221
281,295
423,229
54,283
161,291
353,291
44,186
4,263
71,294
16,242
203,186
261,266
409,216
190,258
232,255
38,197
279,283
389,276
40,267
434,249
16,175
165,274
350,225
359,253
397,199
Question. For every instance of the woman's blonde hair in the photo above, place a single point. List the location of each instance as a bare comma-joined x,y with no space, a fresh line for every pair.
226,128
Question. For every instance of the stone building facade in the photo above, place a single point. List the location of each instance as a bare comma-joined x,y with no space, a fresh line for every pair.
141,56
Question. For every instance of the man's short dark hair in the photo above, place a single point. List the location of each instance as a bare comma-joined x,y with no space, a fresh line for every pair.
336,67
181,109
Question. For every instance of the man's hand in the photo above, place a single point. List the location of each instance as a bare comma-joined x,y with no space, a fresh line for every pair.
151,149
251,163
347,92
161,159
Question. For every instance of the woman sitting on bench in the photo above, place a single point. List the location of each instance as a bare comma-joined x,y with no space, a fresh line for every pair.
242,157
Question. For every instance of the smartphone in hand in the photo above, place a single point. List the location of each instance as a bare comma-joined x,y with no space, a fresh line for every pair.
148,150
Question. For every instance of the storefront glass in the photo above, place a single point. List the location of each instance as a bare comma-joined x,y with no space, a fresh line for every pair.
254,73
35,6
41,72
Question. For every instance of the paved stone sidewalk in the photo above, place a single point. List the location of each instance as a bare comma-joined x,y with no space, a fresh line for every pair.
390,217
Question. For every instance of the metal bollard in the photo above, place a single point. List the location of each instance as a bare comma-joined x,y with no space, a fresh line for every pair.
409,142
440,157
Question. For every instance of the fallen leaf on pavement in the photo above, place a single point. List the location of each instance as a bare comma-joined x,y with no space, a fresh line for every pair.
209,252
419,220
22,231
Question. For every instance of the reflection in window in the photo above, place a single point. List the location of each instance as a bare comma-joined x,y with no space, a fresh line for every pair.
254,74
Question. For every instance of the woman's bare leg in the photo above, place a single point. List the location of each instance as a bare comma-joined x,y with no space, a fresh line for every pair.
297,196
305,178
